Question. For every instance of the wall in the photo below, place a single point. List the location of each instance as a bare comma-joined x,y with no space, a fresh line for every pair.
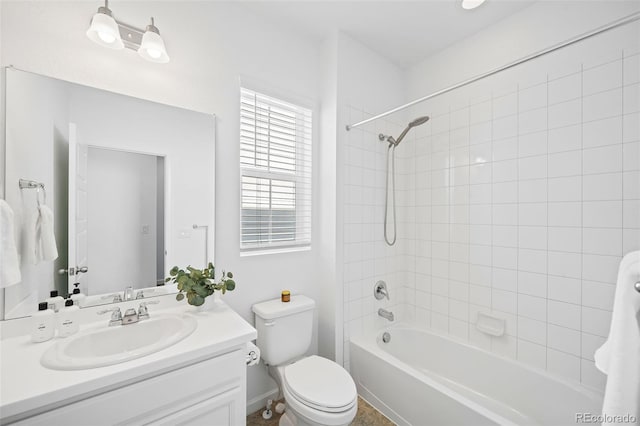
209,51
527,187
366,83
27,134
2,144
329,314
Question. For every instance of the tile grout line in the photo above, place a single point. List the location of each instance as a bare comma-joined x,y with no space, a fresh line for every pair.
517,215
547,222
468,200
581,203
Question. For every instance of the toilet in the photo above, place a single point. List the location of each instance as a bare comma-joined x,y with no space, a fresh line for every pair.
317,391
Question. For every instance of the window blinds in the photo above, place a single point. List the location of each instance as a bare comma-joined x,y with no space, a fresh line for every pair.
275,163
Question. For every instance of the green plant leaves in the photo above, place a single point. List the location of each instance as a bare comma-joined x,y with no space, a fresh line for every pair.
230,285
197,284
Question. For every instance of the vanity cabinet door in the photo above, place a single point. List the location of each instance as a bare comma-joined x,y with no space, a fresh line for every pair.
223,409
208,393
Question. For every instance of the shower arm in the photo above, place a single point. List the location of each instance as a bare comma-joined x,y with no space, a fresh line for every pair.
402,135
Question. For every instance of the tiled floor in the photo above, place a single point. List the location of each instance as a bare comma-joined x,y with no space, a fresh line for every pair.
367,416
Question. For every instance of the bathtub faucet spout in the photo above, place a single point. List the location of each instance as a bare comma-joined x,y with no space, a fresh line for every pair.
385,314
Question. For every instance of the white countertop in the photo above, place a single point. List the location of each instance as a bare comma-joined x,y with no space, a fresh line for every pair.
27,388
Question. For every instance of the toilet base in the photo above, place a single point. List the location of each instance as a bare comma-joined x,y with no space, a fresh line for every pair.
290,419
287,419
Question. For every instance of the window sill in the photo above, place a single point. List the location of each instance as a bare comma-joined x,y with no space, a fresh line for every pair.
267,251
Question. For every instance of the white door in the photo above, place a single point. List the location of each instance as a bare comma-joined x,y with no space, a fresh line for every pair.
78,253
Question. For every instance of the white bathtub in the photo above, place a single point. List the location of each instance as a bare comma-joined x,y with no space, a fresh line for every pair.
421,378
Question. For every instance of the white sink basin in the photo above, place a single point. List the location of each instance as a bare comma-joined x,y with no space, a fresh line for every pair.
101,346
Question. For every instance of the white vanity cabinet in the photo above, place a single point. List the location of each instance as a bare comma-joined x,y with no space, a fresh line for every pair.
200,380
208,393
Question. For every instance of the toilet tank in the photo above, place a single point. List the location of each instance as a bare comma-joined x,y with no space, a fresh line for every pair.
284,329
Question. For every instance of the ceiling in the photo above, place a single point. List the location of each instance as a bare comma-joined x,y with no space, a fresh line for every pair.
404,32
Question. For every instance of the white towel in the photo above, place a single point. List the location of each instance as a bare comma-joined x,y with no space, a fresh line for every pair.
619,357
9,261
42,236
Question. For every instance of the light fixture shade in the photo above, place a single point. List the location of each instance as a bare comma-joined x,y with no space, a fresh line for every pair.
152,47
104,30
471,4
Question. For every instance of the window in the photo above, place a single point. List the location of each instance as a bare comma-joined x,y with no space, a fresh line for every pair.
275,163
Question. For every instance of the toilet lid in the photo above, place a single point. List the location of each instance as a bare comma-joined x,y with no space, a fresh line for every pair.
320,383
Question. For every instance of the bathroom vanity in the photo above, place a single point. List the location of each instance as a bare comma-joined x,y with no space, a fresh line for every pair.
199,380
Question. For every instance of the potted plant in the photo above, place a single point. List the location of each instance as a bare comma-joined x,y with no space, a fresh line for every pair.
198,284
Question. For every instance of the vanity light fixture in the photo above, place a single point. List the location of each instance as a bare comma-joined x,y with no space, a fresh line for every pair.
471,4
108,32
104,29
152,46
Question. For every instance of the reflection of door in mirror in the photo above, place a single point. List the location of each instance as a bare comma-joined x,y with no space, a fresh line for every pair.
122,244
77,248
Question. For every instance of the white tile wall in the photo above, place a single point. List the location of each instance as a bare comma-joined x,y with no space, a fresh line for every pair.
367,259
519,202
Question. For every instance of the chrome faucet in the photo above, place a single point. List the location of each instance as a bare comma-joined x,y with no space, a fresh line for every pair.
116,316
116,298
130,317
143,312
380,290
385,314
128,293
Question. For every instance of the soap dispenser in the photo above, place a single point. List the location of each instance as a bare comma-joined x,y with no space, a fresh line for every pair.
77,297
55,302
67,321
43,325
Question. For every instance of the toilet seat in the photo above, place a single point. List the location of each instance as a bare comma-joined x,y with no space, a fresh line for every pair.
312,416
320,384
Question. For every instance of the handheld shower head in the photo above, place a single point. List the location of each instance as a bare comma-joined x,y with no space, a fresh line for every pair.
417,122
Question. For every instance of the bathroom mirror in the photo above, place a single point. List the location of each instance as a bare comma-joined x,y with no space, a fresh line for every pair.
130,184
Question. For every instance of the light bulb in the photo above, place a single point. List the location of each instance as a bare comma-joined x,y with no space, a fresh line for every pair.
155,54
106,37
471,4
152,46
104,30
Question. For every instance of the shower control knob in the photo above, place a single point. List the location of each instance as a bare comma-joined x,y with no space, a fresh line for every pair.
637,286
81,269
380,290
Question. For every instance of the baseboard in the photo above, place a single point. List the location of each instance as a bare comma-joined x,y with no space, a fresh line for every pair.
260,401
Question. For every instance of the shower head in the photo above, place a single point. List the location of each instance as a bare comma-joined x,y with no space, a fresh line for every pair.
417,122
